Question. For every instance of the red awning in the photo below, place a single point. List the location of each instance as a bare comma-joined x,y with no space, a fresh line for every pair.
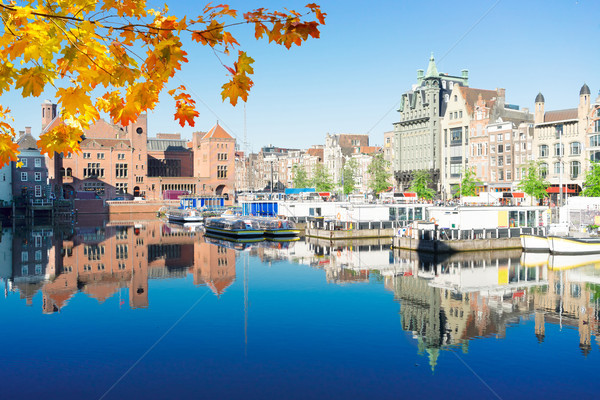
410,194
519,195
556,189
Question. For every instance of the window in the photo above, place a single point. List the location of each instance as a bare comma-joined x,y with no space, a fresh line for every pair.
87,155
595,141
559,149
544,150
543,170
500,149
493,149
455,134
460,114
38,162
507,147
93,170
121,170
575,148
38,255
24,256
221,171
557,168
493,161
38,176
69,172
23,176
501,175
575,169
121,156
139,179
455,97
121,187
595,156
500,137
558,131
508,159
24,161
38,191
38,269
222,156
500,161
508,176
100,156
97,187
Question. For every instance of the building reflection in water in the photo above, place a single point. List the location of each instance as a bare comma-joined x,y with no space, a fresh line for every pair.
447,301
100,261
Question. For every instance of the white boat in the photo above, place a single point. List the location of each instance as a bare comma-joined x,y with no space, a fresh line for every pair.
534,243
183,216
571,245
233,227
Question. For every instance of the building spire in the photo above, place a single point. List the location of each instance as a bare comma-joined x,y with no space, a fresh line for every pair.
432,71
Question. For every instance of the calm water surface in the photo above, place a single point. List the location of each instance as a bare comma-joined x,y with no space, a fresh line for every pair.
146,310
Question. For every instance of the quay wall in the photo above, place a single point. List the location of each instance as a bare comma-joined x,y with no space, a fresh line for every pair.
349,234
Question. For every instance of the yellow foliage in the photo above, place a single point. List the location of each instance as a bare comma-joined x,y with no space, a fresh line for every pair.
77,46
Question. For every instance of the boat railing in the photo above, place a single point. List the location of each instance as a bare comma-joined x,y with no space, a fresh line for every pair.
475,234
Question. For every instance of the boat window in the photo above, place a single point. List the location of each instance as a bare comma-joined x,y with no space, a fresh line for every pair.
513,219
392,213
419,213
531,220
402,213
522,218
410,214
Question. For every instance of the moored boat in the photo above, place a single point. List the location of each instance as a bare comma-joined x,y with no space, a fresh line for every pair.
276,227
571,245
184,216
534,243
233,227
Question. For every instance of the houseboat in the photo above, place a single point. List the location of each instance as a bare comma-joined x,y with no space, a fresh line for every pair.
278,228
233,227
571,245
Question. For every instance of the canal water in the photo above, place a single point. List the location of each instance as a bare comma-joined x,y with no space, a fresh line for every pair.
147,310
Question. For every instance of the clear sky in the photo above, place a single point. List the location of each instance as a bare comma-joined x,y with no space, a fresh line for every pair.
351,79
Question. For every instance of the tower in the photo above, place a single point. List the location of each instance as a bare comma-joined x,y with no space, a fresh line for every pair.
48,113
539,108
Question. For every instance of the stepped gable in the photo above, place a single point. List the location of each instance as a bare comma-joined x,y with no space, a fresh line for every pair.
471,95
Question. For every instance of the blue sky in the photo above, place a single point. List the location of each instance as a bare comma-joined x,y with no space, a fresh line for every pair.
351,79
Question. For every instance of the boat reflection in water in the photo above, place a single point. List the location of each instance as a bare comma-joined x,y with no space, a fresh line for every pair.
444,302
447,301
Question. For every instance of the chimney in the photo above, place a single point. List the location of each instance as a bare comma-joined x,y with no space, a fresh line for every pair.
420,74
28,130
465,74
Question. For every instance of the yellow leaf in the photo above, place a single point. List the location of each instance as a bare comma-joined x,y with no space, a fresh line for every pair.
32,80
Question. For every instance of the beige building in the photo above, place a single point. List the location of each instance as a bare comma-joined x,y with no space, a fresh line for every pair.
560,141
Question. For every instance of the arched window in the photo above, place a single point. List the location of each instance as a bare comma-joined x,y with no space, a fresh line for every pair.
575,148
557,168
559,149
69,172
595,156
595,141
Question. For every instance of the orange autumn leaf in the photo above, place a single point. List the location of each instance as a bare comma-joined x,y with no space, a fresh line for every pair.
8,149
62,139
118,56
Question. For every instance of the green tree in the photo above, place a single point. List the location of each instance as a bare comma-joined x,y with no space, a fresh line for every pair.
468,184
591,185
420,185
322,180
300,179
533,182
348,181
380,177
